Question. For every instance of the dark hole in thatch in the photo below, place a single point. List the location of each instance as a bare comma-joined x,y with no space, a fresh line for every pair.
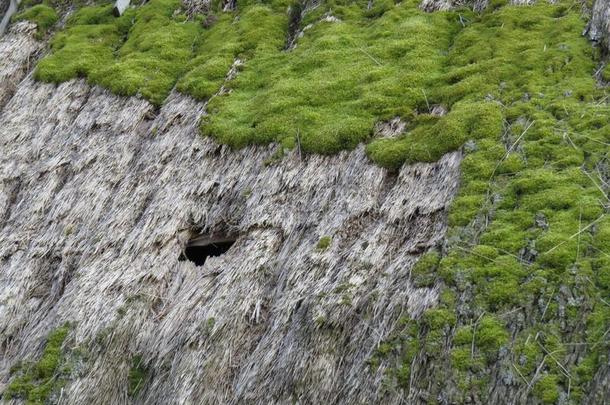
201,247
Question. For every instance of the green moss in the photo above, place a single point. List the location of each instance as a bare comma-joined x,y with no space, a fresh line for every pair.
35,382
137,376
491,335
606,73
149,62
528,220
439,318
461,358
324,243
423,272
155,55
546,389
486,336
428,143
306,101
518,85
42,15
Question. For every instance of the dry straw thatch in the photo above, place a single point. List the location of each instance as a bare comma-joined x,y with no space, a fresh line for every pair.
98,196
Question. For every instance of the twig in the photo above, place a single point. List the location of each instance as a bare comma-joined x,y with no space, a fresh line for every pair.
510,149
476,254
596,248
583,169
299,144
579,226
523,262
576,234
426,98
536,374
550,354
547,304
601,101
474,330
596,185
521,375
509,312
370,56
601,340
411,376
584,136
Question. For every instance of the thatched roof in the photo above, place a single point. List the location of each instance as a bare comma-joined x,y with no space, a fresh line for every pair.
598,28
99,196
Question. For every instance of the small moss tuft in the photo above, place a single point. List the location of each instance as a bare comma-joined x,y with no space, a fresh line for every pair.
42,15
324,243
35,382
546,389
137,376
423,272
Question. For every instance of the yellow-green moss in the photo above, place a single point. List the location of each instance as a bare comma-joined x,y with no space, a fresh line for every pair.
137,376
518,87
531,215
35,382
158,46
324,243
41,14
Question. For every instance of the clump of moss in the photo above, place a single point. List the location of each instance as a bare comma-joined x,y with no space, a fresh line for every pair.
428,142
35,382
324,243
41,14
530,224
149,62
137,376
488,336
298,98
83,47
158,48
423,272
546,389
259,28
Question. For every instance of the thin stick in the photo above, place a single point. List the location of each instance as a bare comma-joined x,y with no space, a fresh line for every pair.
547,304
576,234
299,144
521,375
511,149
599,250
596,185
370,56
426,98
579,226
476,254
550,354
587,173
474,329
601,340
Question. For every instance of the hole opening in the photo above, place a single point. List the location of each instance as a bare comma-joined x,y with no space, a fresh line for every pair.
199,248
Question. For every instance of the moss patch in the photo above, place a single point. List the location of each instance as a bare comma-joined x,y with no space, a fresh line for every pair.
529,231
324,243
143,52
525,267
137,376
41,14
36,382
